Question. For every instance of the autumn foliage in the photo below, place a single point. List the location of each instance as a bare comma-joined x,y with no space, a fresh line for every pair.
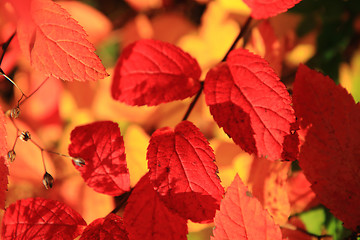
188,132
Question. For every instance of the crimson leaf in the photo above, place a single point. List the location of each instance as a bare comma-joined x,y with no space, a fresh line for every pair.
183,172
151,72
4,171
247,99
110,227
330,154
265,9
146,217
38,218
101,145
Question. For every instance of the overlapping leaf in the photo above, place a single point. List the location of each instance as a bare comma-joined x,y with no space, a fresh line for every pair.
146,217
101,145
4,171
110,227
330,154
183,172
268,183
38,218
151,72
264,9
55,43
241,216
247,99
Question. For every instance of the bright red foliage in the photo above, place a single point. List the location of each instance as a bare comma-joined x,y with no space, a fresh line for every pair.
241,216
183,172
4,171
37,218
330,154
146,217
110,227
55,43
247,99
101,145
151,72
269,8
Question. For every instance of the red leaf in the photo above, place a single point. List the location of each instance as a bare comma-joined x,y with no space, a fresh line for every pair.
37,218
4,171
151,72
146,216
183,172
110,227
55,43
101,145
330,154
265,9
241,216
247,99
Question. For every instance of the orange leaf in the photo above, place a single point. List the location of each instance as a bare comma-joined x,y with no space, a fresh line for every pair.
242,217
55,43
268,183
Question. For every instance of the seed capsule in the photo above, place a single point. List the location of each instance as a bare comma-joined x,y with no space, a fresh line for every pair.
25,136
78,161
15,112
48,180
11,155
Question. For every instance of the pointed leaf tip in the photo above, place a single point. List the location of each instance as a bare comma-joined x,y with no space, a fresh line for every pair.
241,216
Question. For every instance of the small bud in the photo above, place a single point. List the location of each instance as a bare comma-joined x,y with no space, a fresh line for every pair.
78,161
15,112
48,180
11,155
25,136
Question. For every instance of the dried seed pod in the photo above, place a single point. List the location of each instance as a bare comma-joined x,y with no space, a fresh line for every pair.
78,161
15,112
11,155
25,136
48,180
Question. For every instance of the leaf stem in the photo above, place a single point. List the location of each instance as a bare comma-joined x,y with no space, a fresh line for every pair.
5,45
192,104
241,34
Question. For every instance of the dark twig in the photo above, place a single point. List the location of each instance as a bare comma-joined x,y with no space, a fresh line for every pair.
192,104
5,45
241,34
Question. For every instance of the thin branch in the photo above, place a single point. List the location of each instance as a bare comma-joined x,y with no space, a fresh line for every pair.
20,102
241,34
192,104
5,45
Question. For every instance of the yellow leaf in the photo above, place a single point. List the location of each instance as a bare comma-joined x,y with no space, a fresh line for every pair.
136,142
215,36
